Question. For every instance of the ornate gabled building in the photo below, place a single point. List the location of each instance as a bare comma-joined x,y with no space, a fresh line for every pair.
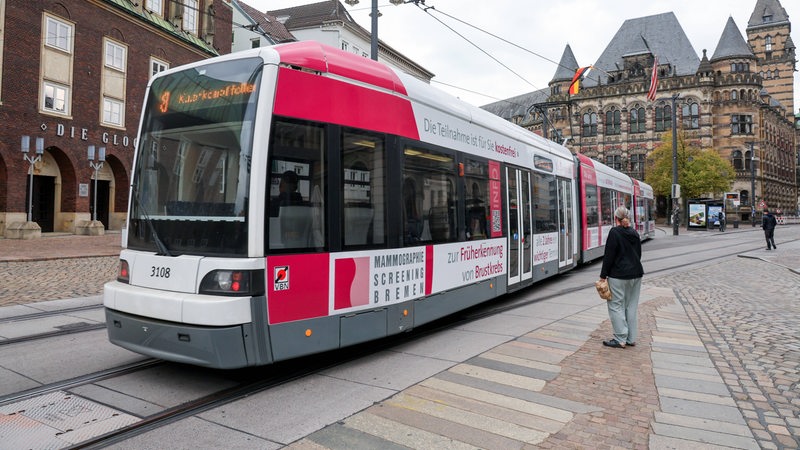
739,103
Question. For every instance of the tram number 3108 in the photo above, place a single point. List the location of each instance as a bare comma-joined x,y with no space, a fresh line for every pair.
159,272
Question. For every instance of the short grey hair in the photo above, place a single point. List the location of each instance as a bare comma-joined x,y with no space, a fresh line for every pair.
622,213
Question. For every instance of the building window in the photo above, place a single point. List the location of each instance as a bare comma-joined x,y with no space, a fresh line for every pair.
768,44
155,6
112,111
741,124
738,164
614,161
255,43
740,67
734,94
691,116
115,56
190,16
58,34
56,98
663,118
345,45
636,118
637,166
613,120
589,125
157,66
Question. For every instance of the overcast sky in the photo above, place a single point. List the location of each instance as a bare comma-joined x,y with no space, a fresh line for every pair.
540,27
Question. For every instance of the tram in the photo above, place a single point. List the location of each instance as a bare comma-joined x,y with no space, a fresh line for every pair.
296,199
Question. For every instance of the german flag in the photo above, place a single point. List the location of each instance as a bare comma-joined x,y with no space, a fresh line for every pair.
575,85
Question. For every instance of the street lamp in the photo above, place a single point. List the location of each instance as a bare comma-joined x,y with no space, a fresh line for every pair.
752,185
676,189
373,39
101,157
25,145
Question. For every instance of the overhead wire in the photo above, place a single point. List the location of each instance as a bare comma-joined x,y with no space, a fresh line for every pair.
428,8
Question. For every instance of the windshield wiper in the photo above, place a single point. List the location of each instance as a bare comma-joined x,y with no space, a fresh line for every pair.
162,248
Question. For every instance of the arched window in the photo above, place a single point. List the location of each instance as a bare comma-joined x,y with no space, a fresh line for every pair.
589,127
613,119
663,117
738,163
734,95
691,115
636,119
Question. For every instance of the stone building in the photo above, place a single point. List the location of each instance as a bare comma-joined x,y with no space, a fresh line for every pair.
73,75
738,102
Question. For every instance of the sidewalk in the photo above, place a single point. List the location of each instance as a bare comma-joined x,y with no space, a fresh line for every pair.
58,246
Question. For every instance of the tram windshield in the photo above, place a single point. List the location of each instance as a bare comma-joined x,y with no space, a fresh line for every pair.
191,180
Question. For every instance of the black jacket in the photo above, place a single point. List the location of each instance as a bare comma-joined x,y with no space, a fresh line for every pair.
623,256
768,222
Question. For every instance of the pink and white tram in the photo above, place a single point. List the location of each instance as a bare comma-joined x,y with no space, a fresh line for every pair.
644,209
297,199
602,190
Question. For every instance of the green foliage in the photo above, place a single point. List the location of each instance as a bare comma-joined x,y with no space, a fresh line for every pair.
701,173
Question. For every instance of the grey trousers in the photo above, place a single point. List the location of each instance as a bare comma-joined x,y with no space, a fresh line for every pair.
623,308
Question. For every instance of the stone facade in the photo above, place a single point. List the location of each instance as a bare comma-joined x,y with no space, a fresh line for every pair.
736,101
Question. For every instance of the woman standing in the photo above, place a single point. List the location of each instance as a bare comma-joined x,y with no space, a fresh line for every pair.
622,266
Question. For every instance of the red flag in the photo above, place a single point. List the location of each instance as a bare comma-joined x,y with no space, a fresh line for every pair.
575,85
651,93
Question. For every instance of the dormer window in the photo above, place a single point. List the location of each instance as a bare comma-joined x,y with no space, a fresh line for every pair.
766,18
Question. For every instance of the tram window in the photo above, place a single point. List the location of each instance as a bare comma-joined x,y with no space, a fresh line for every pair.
544,203
476,189
607,206
363,187
296,202
429,196
627,200
592,218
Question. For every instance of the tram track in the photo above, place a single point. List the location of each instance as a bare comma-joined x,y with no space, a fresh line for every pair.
79,325
66,330
81,380
51,313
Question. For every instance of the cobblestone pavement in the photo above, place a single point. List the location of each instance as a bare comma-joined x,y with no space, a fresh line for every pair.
747,314
56,266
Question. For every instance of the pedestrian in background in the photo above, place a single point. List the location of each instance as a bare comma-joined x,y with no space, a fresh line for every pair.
622,266
721,218
768,223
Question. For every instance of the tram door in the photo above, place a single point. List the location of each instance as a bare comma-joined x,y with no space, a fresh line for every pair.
566,223
518,212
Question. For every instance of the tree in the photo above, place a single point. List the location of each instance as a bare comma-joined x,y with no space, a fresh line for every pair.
700,172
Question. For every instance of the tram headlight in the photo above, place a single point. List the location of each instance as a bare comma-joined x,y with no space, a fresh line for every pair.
124,274
233,282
